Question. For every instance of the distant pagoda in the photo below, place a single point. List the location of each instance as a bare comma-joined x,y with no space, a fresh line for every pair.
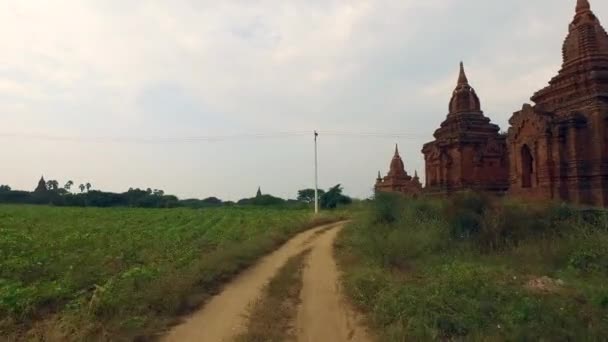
397,179
41,185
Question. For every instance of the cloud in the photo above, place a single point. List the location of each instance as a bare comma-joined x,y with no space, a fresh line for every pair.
186,68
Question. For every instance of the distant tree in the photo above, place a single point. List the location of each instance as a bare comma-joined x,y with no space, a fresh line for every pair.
158,192
212,201
149,191
264,200
81,187
68,185
5,188
88,186
334,197
308,195
52,185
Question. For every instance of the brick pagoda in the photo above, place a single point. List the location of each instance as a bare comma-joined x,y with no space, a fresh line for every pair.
397,179
41,187
468,152
558,147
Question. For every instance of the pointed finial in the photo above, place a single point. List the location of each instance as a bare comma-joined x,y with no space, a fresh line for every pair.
582,5
462,77
379,175
396,149
416,174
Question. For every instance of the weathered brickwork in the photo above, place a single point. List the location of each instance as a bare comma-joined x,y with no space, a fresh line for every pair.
558,147
468,152
555,149
397,179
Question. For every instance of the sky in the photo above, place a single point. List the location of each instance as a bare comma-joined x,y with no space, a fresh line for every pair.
215,98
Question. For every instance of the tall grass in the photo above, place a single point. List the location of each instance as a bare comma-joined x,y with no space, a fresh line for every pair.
462,268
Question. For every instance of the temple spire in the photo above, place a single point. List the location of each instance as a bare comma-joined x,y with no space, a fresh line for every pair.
396,150
582,5
462,77
464,98
41,185
379,176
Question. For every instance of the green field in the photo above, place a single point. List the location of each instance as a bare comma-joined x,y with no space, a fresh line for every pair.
121,273
474,268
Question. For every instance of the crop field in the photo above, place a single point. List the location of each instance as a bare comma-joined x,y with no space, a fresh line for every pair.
121,273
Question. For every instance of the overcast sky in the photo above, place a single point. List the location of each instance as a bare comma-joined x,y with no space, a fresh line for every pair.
105,91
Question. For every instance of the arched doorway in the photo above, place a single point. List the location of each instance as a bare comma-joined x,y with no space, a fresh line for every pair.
527,168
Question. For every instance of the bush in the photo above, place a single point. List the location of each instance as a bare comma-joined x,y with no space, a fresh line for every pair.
387,208
460,269
465,212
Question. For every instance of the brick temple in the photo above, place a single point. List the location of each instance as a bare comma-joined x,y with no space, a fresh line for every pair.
555,148
558,147
468,152
397,179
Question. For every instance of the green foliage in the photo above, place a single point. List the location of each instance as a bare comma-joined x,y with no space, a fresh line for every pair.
334,197
52,185
465,213
387,208
308,195
262,200
124,271
149,198
460,269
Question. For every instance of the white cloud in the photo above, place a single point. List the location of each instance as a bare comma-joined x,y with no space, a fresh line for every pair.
187,68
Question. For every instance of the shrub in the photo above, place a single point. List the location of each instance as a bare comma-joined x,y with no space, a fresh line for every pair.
460,269
387,208
464,212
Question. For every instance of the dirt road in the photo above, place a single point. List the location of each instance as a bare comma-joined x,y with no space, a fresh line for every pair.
322,316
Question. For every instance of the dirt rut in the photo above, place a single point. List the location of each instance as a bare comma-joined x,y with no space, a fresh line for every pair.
322,316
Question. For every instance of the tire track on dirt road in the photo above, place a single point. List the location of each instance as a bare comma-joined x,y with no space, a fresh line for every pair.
322,315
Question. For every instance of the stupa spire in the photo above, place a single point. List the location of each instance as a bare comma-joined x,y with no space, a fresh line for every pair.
582,6
464,98
462,77
396,150
41,185
586,35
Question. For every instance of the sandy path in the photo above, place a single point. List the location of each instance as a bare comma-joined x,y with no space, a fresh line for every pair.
224,316
323,314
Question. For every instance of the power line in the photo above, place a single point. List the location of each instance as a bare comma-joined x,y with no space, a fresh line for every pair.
204,138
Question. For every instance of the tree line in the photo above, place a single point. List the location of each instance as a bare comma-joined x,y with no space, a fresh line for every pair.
50,193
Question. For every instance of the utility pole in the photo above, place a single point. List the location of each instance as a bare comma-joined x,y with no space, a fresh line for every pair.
316,177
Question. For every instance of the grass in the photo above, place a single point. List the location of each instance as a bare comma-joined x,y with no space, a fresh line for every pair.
120,274
475,268
272,316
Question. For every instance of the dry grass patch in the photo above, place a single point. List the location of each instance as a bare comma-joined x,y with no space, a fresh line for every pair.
271,317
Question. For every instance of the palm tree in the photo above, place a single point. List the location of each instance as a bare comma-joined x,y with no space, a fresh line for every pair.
88,185
81,186
68,185
52,185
